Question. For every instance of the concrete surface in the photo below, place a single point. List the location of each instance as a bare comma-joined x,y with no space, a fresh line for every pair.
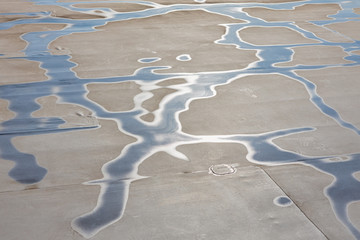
179,120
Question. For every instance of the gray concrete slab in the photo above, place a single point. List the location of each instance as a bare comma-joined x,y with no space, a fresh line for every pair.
185,119
44,213
305,185
200,158
238,205
64,154
203,206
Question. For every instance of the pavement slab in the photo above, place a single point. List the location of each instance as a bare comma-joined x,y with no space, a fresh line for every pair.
238,205
278,36
189,119
239,116
345,28
45,213
305,185
64,153
151,42
329,81
306,12
115,97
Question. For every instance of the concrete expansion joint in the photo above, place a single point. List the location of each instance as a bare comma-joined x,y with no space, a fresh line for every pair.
35,187
297,205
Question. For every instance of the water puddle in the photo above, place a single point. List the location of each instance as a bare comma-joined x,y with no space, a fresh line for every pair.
163,132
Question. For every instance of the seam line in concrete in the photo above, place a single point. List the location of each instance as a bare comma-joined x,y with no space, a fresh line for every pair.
40,188
294,203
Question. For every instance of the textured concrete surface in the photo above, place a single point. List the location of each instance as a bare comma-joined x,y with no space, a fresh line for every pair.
179,120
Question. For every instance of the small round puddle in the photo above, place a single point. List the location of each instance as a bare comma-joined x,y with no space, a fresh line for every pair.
282,201
222,169
183,57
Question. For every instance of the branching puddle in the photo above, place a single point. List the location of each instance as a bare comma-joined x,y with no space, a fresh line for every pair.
170,84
